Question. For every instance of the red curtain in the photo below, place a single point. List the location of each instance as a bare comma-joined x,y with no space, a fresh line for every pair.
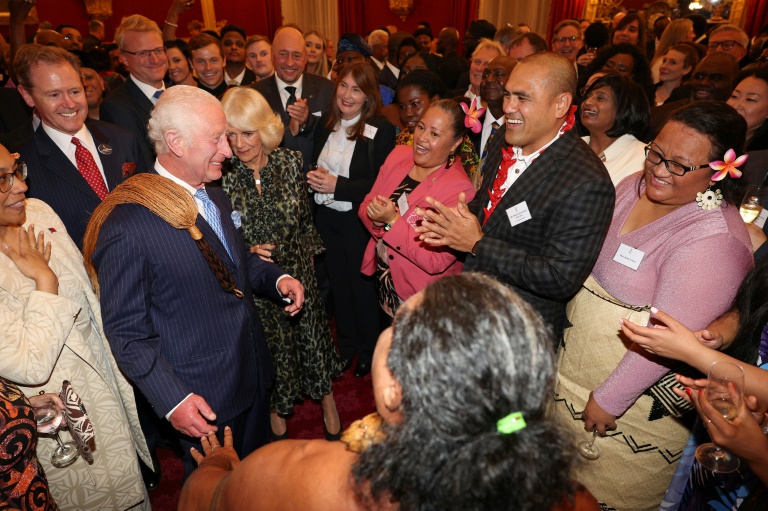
563,10
463,12
351,17
757,16
274,16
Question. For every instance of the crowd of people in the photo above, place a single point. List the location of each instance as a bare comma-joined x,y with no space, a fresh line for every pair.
528,244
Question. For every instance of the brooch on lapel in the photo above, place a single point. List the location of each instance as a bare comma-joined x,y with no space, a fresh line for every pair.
105,149
52,229
128,169
237,219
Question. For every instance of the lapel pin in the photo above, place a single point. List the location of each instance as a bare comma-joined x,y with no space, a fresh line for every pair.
105,149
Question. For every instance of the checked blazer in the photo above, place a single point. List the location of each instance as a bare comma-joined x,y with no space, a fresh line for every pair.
546,259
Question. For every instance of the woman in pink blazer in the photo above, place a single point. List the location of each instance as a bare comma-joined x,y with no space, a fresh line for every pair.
404,265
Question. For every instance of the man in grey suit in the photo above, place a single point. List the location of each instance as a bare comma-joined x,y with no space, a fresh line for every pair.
129,106
301,99
539,219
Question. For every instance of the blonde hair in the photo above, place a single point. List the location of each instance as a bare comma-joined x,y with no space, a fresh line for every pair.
247,110
676,32
321,68
135,23
487,44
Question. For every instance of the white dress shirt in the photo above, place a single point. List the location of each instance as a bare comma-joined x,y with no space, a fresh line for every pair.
284,94
148,90
336,157
64,142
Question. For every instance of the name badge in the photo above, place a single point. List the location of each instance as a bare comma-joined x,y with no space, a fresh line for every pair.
518,214
760,220
317,114
370,131
402,204
628,256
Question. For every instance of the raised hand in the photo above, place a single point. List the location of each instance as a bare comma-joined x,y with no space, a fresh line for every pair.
32,259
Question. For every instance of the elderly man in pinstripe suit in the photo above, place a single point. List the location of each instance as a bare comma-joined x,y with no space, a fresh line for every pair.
195,351
545,204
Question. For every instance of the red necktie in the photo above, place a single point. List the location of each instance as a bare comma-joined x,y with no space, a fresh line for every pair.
87,167
495,193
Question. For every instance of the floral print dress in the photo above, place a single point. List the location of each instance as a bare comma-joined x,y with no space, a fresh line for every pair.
301,346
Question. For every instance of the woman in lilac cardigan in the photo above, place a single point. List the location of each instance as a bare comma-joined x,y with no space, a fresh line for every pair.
403,265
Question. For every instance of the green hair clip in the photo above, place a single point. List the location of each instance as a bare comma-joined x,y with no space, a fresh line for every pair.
512,423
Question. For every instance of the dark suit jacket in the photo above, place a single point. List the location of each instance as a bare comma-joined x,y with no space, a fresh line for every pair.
130,109
365,163
248,78
171,327
56,181
14,111
319,93
546,259
451,67
385,76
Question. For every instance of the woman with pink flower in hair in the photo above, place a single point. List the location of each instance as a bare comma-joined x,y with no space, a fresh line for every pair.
676,243
403,265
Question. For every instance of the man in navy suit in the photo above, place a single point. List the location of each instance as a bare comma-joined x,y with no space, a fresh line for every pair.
311,99
196,352
129,106
49,81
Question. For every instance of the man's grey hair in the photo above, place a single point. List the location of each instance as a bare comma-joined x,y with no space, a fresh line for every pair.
175,111
740,36
378,37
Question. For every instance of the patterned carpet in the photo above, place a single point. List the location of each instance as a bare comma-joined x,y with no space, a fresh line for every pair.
354,399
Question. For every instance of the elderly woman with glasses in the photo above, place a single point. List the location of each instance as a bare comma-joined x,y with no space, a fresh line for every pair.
676,243
51,328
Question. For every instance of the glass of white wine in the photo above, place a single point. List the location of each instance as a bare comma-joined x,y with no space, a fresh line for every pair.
753,203
725,392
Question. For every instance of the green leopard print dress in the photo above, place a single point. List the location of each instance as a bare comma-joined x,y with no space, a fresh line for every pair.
303,352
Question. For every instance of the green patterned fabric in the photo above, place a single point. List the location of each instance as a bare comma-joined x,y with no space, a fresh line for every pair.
302,349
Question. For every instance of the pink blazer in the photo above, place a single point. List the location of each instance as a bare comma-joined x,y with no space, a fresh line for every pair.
413,264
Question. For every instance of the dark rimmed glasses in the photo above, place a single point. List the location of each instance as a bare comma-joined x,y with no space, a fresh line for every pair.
145,54
19,172
673,167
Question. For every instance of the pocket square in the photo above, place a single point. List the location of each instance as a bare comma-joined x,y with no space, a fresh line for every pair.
129,168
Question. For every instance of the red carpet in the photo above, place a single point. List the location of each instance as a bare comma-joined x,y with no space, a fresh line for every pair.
354,399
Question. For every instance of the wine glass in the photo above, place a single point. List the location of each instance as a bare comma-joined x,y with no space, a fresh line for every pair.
753,203
49,417
725,392
588,449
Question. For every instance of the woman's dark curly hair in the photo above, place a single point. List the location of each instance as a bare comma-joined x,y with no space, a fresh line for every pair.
725,129
641,71
463,365
426,80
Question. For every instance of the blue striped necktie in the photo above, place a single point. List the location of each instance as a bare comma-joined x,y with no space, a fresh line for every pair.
213,217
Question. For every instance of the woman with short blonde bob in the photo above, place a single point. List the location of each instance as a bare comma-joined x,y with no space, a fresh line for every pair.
265,186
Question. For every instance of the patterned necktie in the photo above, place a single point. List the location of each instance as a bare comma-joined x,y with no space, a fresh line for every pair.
494,128
213,217
292,95
232,83
497,192
86,165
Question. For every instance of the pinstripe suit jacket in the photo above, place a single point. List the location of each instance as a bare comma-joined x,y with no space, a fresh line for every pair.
546,259
57,182
172,329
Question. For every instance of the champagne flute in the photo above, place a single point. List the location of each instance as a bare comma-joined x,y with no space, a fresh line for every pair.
753,203
49,418
588,449
725,392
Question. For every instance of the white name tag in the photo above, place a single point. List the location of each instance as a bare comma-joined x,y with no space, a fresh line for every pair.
760,220
370,131
317,114
628,256
518,214
402,204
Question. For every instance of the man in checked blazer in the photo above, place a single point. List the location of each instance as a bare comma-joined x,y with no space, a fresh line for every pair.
313,94
545,234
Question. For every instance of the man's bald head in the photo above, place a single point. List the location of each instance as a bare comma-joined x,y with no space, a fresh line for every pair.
289,54
561,75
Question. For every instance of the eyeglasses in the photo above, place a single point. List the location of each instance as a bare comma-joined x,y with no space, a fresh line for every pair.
144,54
727,45
762,60
563,40
70,37
673,167
19,172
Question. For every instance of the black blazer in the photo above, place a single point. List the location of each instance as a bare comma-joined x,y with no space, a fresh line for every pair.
318,92
130,109
546,259
14,111
55,180
367,158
